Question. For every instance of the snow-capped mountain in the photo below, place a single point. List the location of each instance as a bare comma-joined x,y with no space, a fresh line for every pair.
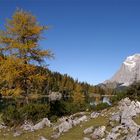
129,71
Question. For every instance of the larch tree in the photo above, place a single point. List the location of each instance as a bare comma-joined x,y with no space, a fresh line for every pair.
21,54
78,96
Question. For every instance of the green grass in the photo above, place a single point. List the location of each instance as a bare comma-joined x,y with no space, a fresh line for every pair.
76,133
46,132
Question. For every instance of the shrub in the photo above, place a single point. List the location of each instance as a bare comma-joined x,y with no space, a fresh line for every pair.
11,116
101,106
33,112
118,97
53,118
133,91
61,108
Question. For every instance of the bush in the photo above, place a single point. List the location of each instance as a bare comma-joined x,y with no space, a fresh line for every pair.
33,112
101,106
61,108
53,118
118,97
72,108
11,116
133,91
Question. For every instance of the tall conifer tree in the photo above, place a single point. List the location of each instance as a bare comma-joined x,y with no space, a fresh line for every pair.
21,54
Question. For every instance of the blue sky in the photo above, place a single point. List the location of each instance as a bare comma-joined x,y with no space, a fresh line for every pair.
90,38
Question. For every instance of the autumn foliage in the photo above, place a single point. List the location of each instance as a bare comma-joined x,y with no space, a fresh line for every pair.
21,54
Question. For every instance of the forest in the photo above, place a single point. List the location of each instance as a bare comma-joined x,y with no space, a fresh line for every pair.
26,83
29,90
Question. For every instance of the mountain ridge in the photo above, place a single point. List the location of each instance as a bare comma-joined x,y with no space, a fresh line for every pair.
128,72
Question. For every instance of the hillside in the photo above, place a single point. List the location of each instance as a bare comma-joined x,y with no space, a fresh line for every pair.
120,122
39,104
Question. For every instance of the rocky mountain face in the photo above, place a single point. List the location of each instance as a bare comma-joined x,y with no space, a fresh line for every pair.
129,71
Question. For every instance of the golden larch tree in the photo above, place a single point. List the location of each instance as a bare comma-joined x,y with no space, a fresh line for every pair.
21,54
78,96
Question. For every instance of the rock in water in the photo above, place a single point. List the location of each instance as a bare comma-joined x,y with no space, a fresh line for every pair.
54,96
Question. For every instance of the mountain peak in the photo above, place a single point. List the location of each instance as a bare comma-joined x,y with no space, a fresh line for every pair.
129,71
131,61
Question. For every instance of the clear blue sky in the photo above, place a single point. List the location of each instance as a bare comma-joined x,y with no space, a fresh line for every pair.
90,38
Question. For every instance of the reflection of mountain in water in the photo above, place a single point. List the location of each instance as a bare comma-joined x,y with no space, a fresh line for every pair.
103,100
106,100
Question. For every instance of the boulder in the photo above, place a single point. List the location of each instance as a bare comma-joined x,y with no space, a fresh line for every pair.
27,126
62,119
85,138
2,126
112,136
42,124
83,118
54,96
111,123
77,121
17,133
79,114
127,110
116,117
42,138
64,126
55,136
89,130
94,115
98,132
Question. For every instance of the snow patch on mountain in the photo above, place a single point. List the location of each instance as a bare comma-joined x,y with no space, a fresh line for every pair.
131,61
